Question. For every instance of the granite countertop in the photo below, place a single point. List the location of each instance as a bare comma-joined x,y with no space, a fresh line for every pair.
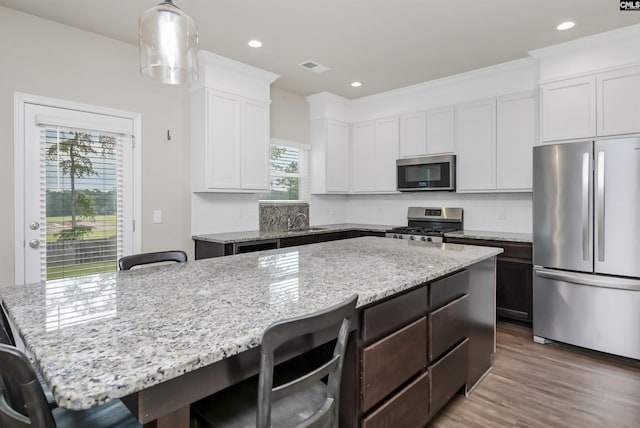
257,235
493,236
106,336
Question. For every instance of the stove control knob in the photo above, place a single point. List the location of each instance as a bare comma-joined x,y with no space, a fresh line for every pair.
423,239
400,237
429,239
395,236
411,238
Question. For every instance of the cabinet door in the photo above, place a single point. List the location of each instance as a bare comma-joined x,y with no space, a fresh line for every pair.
363,178
413,134
255,146
337,156
440,131
223,141
516,136
618,95
476,146
568,109
387,136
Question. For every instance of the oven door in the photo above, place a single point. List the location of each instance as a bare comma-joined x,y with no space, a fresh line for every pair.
426,173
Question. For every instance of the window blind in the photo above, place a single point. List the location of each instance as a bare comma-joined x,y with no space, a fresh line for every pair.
81,199
289,173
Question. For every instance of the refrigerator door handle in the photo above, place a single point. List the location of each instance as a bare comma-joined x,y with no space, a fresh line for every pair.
585,205
589,279
600,205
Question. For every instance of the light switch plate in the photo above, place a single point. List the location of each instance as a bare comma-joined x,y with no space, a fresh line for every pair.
157,216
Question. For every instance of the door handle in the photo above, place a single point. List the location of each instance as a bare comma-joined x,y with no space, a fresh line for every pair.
34,243
600,205
585,205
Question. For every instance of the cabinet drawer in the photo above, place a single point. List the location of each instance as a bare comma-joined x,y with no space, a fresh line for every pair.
392,361
447,326
388,316
445,290
447,376
512,250
405,409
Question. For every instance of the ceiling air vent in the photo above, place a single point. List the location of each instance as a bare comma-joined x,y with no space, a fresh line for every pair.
314,66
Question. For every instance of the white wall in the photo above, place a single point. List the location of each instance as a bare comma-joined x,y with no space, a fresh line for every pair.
289,116
44,58
493,212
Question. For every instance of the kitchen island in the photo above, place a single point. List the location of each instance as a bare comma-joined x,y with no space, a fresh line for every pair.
163,337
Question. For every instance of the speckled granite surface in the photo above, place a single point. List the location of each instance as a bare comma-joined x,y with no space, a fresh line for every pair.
107,336
257,235
494,236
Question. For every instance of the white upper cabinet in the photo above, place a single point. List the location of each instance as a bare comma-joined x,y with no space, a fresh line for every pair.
618,96
363,165
255,146
413,134
517,133
387,140
440,131
427,133
375,149
475,132
568,109
222,145
230,127
330,160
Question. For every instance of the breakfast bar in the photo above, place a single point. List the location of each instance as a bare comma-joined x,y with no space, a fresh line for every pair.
160,338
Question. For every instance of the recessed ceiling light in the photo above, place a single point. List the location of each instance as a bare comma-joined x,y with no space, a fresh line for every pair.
255,43
356,84
566,25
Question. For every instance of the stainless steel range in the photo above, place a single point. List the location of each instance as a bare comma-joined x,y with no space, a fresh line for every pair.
428,224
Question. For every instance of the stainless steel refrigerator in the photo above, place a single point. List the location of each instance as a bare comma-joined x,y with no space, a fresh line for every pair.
586,245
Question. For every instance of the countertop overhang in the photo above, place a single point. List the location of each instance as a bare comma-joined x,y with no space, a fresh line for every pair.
130,330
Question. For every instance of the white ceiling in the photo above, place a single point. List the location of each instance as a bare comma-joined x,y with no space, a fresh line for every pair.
386,44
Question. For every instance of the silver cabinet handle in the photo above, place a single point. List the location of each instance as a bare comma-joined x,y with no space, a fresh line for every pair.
34,226
34,243
585,205
600,205
589,279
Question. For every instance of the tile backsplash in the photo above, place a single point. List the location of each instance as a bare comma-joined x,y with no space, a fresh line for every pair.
275,216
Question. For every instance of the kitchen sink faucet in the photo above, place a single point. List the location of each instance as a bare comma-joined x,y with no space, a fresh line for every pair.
291,223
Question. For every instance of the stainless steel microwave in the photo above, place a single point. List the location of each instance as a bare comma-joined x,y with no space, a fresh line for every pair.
427,173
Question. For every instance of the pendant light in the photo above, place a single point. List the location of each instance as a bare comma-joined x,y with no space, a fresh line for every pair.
168,40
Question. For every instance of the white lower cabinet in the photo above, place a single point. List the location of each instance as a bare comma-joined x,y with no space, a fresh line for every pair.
230,142
476,146
375,150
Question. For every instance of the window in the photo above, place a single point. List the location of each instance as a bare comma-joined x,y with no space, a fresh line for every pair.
289,177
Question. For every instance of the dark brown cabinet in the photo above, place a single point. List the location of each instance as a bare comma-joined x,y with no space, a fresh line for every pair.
207,249
415,354
514,270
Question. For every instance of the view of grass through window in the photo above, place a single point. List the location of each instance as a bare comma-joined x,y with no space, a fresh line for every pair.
81,203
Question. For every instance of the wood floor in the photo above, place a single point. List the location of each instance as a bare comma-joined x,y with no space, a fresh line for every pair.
554,385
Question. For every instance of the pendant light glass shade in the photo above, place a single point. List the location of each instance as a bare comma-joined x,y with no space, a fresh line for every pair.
168,40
